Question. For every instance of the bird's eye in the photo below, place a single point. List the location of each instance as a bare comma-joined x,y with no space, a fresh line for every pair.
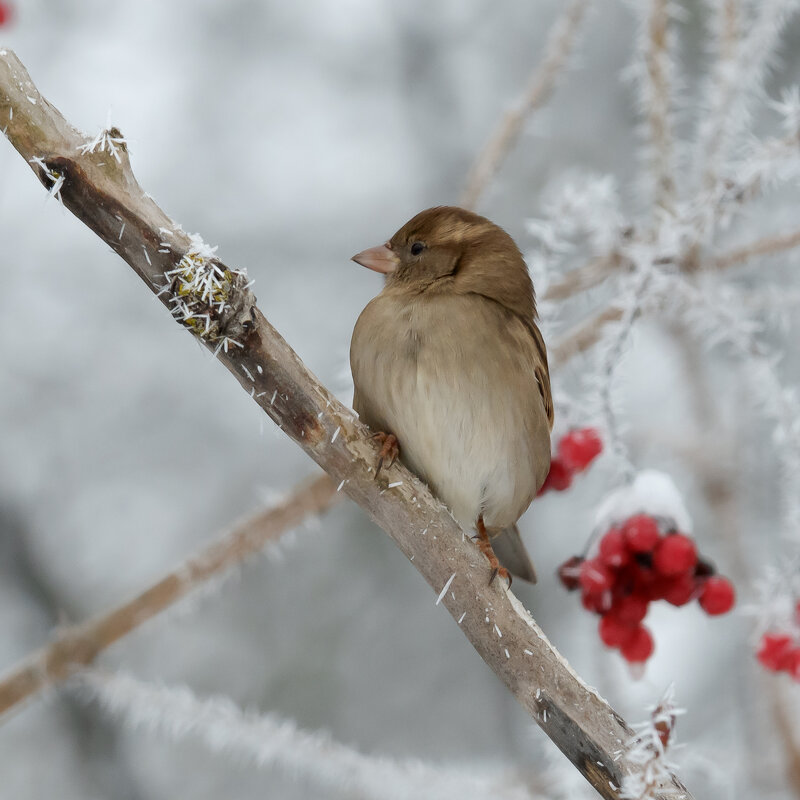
417,248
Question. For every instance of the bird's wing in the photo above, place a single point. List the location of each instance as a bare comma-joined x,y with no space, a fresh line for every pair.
542,371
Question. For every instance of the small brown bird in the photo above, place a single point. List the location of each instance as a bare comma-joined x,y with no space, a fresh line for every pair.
448,363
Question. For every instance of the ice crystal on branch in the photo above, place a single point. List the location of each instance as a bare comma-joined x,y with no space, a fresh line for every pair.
109,140
200,290
648,749
56,178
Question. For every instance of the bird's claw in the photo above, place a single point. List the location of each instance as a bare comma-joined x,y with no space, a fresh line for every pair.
503,573
390,449
485,546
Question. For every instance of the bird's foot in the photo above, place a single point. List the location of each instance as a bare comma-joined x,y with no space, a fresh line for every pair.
485,546
389,451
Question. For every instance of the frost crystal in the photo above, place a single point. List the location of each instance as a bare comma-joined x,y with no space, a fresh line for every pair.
646,751
56,178
200,289
109,140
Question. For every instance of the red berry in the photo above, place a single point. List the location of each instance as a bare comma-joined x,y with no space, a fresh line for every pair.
614,632
775,650
793,663
641,533
631,609
6,13
680,590
598,602
569,572
578,448
674,554
639,647
559,477
647,583
717,596
595,577
612,550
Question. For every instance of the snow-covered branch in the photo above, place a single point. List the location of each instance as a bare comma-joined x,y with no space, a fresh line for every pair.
657,90
104,194
268,741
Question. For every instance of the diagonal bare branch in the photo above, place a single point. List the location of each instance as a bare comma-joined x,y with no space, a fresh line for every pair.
766,246
103,193
77,646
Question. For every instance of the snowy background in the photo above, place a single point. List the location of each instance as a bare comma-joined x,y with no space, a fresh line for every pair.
293,135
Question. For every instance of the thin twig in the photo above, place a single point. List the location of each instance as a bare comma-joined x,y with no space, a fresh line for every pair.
104,194
79,645
582,278
584,336
657,61
723,91
766,246
560,42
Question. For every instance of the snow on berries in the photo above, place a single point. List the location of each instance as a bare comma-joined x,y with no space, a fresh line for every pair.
645,554
642,561
574,452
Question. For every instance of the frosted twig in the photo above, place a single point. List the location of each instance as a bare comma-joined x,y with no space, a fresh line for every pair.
721,87
657,91
584,336
78,645
766,246
648,748
271,742
611,359
743,50
560,41
582,278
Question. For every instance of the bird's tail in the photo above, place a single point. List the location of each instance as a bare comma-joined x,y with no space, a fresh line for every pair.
511,552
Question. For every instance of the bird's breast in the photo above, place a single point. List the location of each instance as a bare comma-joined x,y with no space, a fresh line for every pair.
453,379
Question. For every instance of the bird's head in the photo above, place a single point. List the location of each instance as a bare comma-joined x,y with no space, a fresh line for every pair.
450,249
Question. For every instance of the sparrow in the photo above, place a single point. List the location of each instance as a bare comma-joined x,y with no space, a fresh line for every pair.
450,372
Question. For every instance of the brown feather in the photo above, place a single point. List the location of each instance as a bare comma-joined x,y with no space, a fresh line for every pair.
449,358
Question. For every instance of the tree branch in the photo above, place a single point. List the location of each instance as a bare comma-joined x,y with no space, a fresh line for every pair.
560,41
584,335
586,277
79,645
104,194
767,246
657,62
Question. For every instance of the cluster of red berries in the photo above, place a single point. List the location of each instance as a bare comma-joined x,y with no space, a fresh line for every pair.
576,450
635,565
780,652
6,13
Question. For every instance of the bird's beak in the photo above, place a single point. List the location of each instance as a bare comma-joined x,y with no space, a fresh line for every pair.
379,258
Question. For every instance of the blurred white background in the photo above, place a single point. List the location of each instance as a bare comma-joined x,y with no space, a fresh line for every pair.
292,135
